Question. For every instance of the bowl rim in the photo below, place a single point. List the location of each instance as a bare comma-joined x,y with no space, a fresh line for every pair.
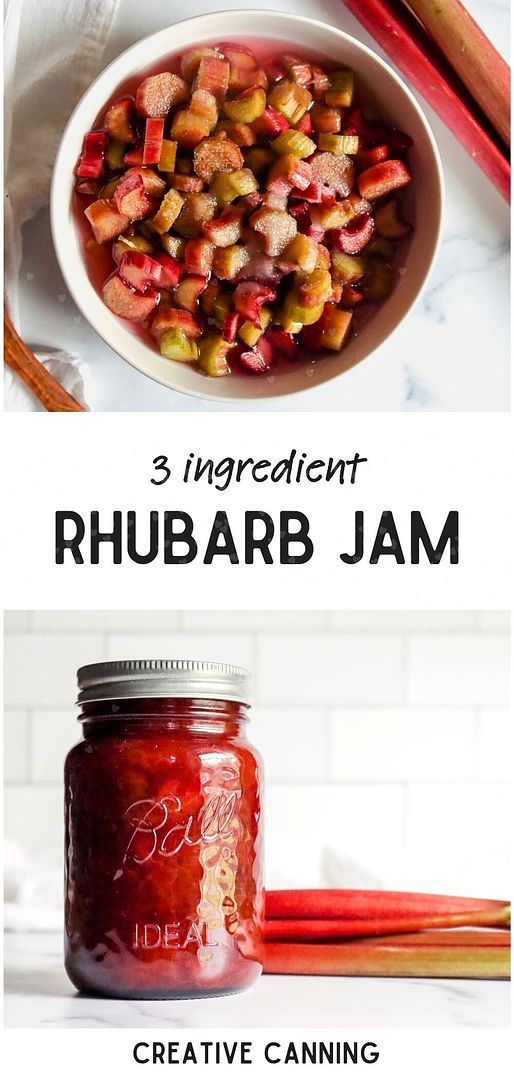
120,61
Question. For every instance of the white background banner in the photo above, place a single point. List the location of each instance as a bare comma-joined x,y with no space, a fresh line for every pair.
427,464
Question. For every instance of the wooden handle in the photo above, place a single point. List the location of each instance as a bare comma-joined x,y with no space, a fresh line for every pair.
43,385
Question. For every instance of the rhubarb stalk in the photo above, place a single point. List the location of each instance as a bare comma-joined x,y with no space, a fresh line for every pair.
472,55
450,954
402,37
372,904
335,929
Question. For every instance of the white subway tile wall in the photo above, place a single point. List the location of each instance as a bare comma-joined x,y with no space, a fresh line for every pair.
386,735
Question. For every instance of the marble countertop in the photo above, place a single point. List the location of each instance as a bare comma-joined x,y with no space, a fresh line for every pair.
38,994
450,354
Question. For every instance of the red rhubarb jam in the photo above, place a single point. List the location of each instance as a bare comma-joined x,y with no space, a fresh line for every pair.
163,850
242,208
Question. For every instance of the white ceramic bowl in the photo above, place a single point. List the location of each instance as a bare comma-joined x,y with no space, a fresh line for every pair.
397,104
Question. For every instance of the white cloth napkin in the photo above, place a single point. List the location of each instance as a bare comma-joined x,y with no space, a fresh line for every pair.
52,52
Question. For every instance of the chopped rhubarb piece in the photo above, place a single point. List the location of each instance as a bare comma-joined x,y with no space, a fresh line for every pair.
190,61
153,142
216,154
213,75
106,221
335,170
173,245
213,355
251,332
331,331
168,211
114,155
139,270
246,79
303,252
290,99
226,187
170,270
275,199
389,223
240,134
325,119
167,156
198,208
313,288
261,268
188,290
230,326
131,243
282,343
305,125
125,302
342,85
187,184
204,104
247,106
188,129
224,230
156,95
298,70
257,360
339,144
276,227
131,198
238,55
134,157
249,296
290,170
372,156
320,83
316,192
381,179
152,184
293,142
323,258
347,269
229,261
270,123
91,161
354,236
198,256
119,120
175,319
175,345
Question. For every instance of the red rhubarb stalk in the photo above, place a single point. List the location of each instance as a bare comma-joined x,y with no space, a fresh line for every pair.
335,929
450,954
369,904
407,45
472,55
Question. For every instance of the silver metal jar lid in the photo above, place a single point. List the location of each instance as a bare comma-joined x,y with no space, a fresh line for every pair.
116,679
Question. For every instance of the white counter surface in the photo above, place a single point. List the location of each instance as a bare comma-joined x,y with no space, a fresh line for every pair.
39,994
450,354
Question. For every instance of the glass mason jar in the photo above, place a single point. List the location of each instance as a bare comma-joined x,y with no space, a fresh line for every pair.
163,849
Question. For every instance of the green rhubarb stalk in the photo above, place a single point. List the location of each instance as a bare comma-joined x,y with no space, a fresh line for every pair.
472,56
450,954
369,904
335,929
